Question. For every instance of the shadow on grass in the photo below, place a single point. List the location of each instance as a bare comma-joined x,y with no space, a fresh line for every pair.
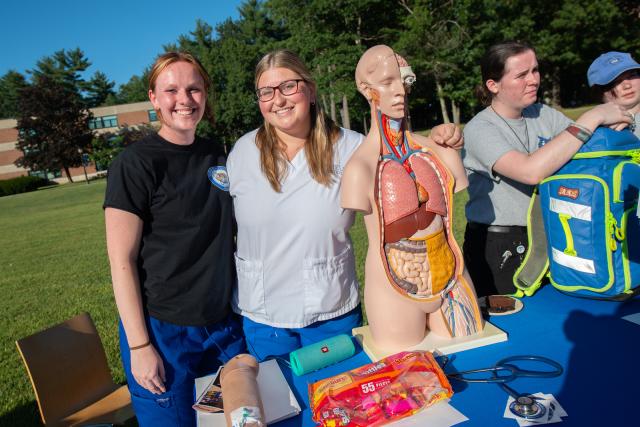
27,415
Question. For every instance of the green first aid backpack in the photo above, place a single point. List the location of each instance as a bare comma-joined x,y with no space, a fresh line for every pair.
583,225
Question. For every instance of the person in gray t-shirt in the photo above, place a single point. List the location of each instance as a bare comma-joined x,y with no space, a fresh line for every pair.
615,77
509,147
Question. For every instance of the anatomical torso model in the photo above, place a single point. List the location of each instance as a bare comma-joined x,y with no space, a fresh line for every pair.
415,278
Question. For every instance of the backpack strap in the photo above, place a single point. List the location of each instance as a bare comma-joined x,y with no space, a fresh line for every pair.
528,277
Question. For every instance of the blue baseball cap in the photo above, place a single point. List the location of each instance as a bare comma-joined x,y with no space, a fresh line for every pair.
608,66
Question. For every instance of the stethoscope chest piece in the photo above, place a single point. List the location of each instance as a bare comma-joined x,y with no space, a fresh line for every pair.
524,405
527,407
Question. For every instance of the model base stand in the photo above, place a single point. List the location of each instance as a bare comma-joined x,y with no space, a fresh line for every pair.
490,334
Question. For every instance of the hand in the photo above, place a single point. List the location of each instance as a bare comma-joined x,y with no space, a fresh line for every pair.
148,370
609,114
447,135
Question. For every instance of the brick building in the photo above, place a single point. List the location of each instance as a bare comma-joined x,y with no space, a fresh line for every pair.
105,119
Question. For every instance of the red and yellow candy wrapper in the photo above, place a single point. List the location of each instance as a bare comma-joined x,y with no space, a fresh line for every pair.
375,394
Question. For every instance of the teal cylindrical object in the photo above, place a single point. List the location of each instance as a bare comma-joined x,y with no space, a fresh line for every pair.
321,354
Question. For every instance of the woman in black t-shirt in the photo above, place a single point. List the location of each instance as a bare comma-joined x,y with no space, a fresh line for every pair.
169,227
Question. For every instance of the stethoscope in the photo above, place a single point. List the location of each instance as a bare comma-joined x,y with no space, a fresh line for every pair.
524,405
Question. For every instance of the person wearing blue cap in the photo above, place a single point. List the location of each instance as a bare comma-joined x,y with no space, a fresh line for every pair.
510,146
615,77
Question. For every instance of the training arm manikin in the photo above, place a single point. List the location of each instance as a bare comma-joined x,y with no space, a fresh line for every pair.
240,394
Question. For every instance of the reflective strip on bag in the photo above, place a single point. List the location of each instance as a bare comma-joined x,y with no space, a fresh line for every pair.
576,263
575,210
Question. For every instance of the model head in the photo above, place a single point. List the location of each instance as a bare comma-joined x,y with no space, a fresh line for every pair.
286,93
615,77
384,78
178,88
510,75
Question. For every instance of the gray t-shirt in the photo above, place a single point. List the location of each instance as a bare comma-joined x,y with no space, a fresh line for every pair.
493,198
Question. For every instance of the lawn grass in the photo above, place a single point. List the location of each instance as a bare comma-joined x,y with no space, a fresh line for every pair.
54,266
574,113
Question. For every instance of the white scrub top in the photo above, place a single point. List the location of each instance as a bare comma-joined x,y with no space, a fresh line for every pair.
294,258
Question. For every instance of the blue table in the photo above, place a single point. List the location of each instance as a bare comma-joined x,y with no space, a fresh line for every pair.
589,338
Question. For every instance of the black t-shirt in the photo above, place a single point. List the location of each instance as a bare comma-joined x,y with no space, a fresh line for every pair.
185,262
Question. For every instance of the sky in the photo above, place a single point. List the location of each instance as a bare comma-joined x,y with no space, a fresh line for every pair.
120,38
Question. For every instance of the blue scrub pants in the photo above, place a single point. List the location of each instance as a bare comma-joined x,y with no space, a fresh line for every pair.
264,341
187,352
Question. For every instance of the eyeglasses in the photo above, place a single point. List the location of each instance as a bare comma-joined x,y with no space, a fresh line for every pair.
288,87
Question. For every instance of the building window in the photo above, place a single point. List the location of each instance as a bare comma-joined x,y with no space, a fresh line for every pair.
50,174
153,116
103,122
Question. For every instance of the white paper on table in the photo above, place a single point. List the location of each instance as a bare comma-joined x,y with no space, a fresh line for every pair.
524,422
553,415
633,318
559,410
277,398
439,415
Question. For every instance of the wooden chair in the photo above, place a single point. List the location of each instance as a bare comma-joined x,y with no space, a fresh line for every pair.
70,376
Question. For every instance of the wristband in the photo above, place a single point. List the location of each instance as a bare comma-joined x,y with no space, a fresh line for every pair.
583,134
138,347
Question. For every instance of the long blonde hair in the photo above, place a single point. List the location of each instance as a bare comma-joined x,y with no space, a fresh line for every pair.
324,133
166,59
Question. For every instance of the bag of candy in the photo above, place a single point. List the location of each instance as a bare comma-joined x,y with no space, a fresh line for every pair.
375,394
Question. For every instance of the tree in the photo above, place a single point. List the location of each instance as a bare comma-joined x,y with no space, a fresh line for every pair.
573,34
239,47
135,90
52,126
430,40
330,36
10,85
98,89
65,67
444,40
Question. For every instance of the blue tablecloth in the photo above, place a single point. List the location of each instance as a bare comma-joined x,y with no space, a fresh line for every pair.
598,350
